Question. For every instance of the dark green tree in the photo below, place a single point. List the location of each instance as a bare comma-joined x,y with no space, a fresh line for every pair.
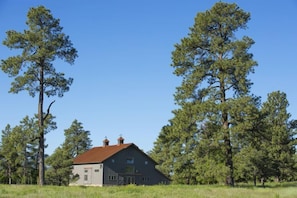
19,147
281,132
183,150
59,164
15,155
30,130
33,70
7,155
77,139
163,151
175,147
59,170
209,156
214,65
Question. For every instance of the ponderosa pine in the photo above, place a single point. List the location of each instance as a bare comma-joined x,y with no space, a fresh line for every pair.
214,66
33,71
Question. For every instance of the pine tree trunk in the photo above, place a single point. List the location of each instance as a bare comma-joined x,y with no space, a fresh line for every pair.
25,175
227,139
41,129
229,160
41,160
255,180
9,174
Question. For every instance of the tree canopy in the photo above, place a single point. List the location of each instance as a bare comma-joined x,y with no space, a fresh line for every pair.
214,65
33,71
76,141
220,132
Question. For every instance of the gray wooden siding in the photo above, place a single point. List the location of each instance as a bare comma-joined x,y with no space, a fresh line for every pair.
131,166
89,174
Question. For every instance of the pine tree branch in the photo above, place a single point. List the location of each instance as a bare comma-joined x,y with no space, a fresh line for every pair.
48,109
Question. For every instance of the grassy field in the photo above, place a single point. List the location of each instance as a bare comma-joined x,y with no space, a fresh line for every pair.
288,190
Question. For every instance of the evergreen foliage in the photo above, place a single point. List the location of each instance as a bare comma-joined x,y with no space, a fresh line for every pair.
221,133
33,71
19,151
281,133
59,170
76,141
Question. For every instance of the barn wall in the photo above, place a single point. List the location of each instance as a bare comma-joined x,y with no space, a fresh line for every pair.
88,174
131,166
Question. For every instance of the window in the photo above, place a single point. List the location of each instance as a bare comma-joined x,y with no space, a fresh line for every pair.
145,162
96,170
85,177
129,169
130,160
112,177
145,179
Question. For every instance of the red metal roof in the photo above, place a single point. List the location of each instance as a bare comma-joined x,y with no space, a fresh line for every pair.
99,154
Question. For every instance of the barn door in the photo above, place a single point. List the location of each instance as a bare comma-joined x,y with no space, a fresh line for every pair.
129,179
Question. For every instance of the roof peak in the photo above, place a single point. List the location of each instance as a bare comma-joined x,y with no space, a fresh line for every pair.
100,153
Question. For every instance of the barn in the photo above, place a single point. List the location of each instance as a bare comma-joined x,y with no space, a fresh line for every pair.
118,164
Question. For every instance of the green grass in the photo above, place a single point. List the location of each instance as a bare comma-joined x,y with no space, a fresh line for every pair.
287,190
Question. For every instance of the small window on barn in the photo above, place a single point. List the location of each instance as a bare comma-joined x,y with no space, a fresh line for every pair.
112,177
96,170
145,162
86,170
112,160
129,169
130,160
145,179
85,177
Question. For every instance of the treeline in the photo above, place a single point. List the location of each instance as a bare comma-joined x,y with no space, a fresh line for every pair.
221,132
19,152
263,145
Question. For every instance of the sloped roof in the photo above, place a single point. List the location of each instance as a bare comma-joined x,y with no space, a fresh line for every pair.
99,154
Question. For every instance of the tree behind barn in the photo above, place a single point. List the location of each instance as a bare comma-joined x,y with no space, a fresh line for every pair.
59,164
77,139
214,66
33,70
59,167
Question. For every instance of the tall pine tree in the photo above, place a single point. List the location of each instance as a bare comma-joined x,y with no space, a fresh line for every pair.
33,70
214,65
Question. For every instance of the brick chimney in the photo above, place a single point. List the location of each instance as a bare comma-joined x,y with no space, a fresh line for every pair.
105,142
120,140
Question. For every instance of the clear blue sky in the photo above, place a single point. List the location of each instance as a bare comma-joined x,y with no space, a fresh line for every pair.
123,82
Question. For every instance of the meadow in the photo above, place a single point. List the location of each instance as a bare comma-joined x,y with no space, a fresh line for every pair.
288,190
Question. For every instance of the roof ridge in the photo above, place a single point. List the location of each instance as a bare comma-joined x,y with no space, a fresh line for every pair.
100,153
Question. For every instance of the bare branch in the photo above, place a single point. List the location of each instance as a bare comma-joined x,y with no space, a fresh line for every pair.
48,109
